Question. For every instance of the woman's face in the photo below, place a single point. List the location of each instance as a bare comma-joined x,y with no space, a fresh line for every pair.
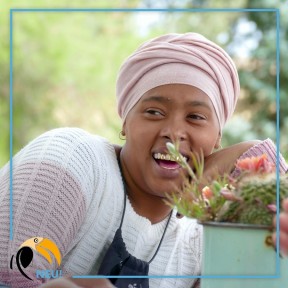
165,114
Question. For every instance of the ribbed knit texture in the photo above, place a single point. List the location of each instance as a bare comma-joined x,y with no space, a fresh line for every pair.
67,187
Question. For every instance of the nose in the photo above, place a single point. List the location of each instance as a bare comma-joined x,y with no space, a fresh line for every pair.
174,130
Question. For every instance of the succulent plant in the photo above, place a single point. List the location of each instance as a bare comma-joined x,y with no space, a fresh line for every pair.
249,199
257,199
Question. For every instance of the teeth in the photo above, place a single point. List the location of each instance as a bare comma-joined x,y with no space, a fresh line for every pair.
167,157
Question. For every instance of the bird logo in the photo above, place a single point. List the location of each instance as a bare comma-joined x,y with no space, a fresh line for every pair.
43,246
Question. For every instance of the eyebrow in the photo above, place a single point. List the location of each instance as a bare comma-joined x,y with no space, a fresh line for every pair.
157,99
196,103
163,99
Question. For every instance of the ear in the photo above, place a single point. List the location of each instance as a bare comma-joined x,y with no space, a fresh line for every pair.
218,141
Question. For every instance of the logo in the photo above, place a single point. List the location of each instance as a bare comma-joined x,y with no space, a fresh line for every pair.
25,254
134,286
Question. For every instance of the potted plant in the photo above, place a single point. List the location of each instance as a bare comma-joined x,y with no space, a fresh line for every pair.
237,215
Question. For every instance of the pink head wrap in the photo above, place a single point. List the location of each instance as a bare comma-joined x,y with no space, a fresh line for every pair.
179,59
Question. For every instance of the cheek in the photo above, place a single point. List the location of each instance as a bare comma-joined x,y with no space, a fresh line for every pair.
139,131
139,143
206,142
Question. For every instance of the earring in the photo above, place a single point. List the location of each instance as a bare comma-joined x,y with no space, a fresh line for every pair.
219,140
122,135
218,146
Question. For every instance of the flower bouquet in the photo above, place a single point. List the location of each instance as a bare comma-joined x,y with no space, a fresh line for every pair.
237,216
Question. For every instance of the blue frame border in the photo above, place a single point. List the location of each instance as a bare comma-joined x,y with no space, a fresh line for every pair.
275,10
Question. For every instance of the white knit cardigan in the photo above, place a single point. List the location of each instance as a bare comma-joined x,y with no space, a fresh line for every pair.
67,187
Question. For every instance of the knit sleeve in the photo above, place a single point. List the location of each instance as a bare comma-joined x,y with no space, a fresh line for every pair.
265,147
53,180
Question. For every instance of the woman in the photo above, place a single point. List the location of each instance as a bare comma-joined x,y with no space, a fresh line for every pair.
103,205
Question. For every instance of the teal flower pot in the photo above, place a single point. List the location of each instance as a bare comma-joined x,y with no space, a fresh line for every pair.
242,251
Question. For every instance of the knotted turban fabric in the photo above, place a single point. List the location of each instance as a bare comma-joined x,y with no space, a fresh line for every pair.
187,58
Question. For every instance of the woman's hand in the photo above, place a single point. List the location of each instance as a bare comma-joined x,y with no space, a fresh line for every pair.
77,283
283,232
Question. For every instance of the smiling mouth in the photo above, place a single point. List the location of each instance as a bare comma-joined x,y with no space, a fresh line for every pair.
166,161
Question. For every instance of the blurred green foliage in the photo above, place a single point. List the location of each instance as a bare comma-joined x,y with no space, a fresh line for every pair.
65,64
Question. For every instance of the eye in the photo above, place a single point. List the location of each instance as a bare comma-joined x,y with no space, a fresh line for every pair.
154,112
197,117
35,240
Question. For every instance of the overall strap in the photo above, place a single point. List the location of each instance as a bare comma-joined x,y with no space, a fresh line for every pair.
124,194
161,238
124,209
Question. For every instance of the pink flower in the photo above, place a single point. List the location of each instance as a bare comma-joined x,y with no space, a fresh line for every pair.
256,164
207,193
229,195
272,208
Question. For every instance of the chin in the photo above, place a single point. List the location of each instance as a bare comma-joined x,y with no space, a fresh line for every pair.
166,189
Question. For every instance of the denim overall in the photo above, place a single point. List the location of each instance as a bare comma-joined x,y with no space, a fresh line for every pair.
118,261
